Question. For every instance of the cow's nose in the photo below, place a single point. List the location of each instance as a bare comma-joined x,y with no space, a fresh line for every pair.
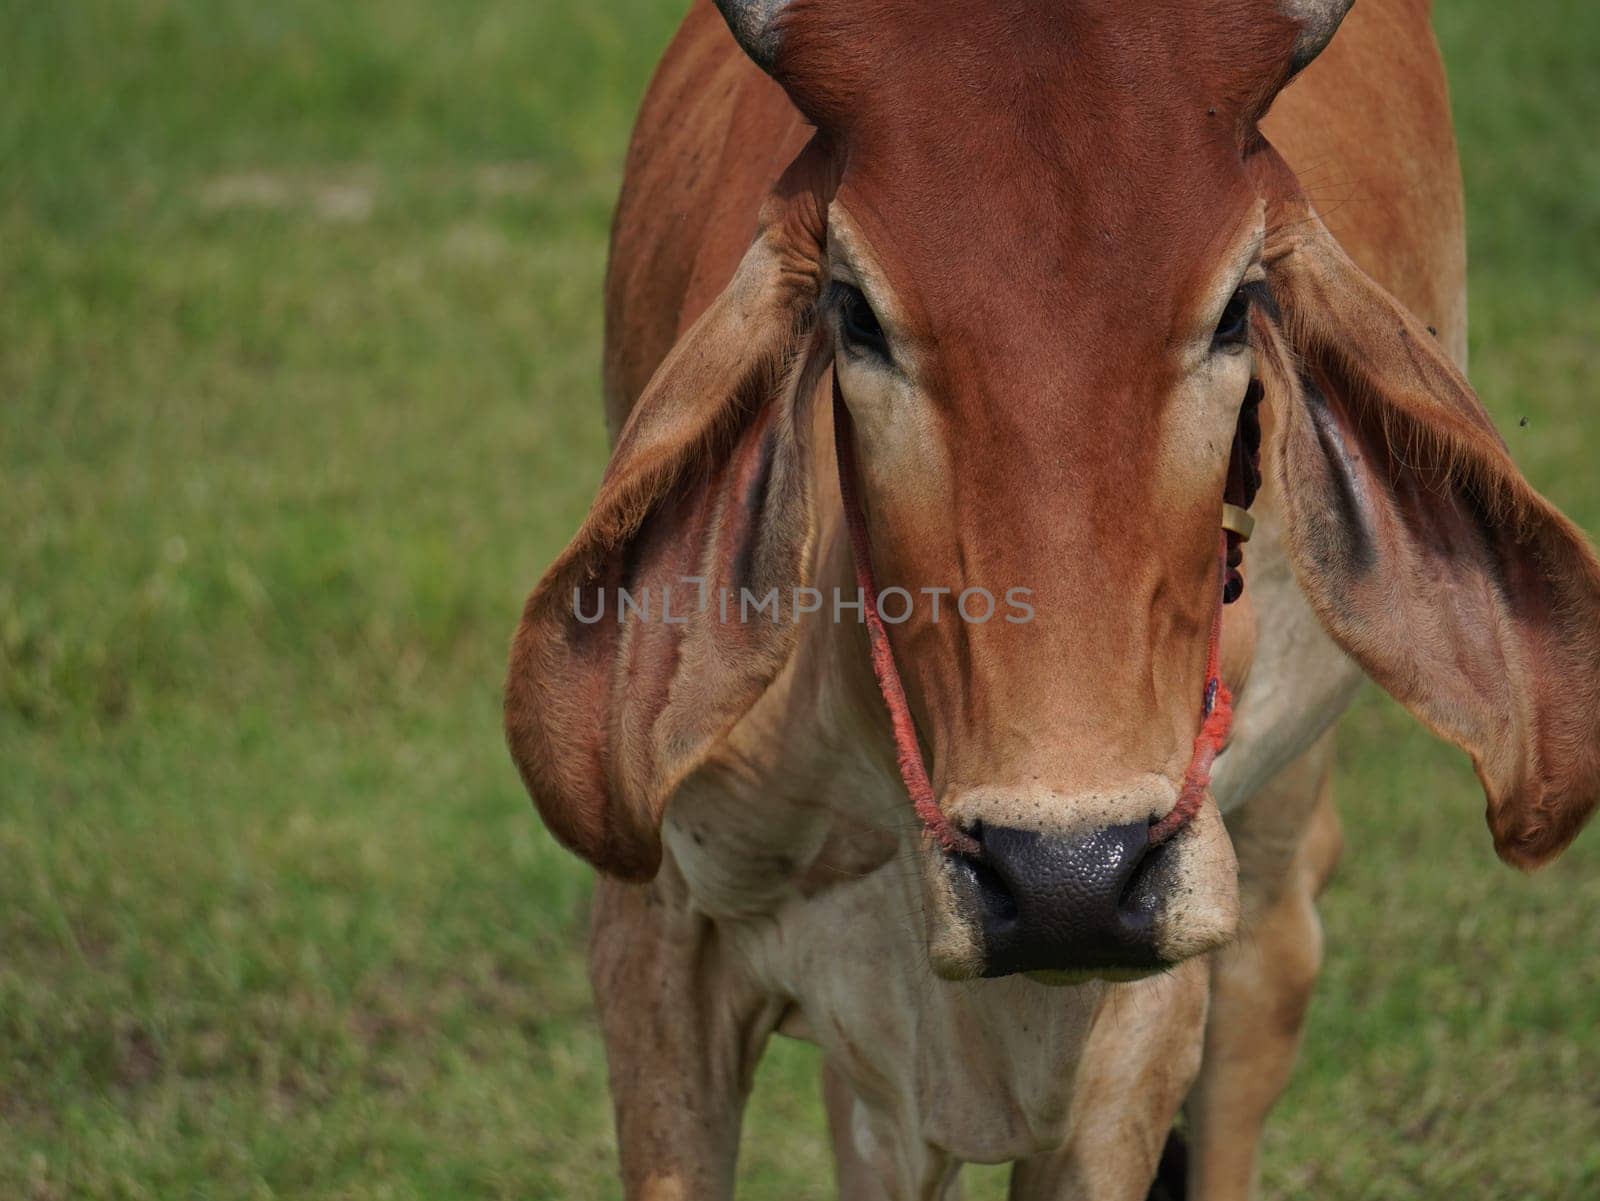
1051,903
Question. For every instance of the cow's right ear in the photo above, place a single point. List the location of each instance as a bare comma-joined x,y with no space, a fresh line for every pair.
707,493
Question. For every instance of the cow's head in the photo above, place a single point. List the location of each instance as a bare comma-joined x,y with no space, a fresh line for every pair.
1046,251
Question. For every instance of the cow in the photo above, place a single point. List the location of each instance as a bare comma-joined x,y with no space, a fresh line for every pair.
1028,300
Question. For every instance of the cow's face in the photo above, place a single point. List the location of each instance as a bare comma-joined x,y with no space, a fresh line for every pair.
1045,252
1041,298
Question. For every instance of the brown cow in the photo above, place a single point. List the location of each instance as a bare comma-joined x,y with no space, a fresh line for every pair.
1047,258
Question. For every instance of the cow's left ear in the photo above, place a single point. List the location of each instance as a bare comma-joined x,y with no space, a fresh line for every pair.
610,702
1425,553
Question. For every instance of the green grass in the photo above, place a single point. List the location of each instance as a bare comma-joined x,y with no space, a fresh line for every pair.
299,345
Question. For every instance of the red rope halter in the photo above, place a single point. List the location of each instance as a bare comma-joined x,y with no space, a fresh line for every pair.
1216,707
913,773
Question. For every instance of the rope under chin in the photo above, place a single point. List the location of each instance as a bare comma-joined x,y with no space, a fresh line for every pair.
1216,708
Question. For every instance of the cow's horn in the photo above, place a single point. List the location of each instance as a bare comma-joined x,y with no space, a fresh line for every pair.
1319,19
751,22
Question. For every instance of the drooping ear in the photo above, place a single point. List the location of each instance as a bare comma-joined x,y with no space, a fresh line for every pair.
1424,551
611,701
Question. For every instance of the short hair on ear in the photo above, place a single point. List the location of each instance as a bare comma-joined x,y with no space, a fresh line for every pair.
709,481
1425,553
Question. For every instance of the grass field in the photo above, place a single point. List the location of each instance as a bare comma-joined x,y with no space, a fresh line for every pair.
299,344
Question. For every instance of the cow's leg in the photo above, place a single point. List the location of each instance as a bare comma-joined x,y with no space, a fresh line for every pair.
873,1160
1136,1069
858,1163
682,1032
1288,841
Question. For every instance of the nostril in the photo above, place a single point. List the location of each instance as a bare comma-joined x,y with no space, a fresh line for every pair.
999,905
994,894
1147,882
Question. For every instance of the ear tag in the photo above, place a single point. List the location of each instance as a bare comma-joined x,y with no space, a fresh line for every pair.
1238,521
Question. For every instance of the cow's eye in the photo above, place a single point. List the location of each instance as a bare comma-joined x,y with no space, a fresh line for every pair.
1234,327
858,324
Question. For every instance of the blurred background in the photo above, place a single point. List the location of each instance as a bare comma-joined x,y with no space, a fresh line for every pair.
299,363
